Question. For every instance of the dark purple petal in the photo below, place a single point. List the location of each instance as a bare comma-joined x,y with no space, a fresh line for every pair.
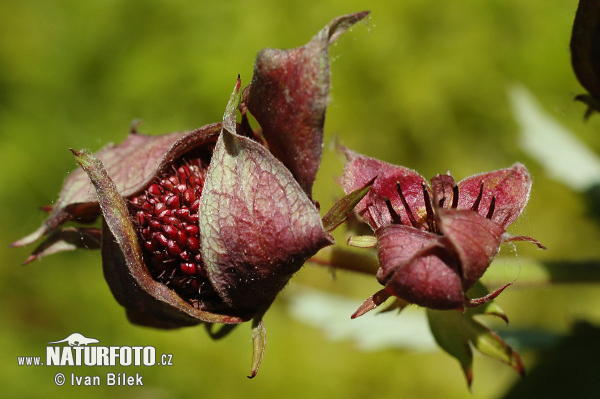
509,187
396,245
475,240
288,97
257,225
414,266
430,279
373,208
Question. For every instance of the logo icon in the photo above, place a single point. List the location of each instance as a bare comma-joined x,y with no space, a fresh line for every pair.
76,339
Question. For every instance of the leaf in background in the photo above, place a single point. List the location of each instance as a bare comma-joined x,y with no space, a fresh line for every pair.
376,331
563,156
454,331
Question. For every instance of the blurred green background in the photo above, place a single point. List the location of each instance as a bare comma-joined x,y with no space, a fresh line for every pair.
423,84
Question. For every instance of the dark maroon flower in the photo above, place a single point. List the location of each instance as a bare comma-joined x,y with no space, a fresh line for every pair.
434,242
209,225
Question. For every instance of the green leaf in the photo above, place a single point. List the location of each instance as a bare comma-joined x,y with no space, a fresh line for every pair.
456,332
559,151
338,213
259,343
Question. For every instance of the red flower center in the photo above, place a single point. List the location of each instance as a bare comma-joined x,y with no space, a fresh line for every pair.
166,217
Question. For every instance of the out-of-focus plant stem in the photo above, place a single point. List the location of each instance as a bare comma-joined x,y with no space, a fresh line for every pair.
337,258
526,272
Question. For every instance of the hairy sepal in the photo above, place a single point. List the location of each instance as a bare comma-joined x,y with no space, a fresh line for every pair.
288,96
257,225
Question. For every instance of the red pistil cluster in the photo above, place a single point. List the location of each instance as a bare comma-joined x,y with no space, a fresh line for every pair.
166,216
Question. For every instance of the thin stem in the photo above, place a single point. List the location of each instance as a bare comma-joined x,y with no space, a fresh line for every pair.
525,273
364,262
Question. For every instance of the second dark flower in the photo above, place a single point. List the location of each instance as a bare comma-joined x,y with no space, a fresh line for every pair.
434,242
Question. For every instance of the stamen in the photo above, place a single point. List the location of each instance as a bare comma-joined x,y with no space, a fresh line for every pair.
475,206
430,218
395,217
492,207
411,217
454,197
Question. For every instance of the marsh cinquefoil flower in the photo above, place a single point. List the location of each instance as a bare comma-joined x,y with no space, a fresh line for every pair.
435,241
208,226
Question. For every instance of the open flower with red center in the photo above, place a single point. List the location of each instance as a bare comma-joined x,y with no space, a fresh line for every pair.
208,226
435,241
